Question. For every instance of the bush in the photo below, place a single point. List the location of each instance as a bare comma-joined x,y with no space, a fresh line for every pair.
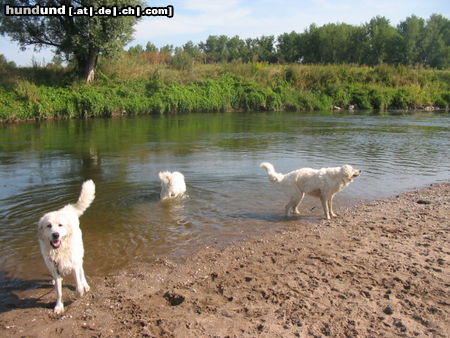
133,86
182,61
403,98
380,98
360,96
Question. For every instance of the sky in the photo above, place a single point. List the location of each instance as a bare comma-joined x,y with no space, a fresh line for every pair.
195,20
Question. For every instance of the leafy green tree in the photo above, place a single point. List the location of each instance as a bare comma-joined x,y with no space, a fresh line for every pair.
135,49
383,40
215,48
235,49
181,60
192,50
150,47
264,49
358,41
308,45
288,47
333,44
412,32
436,42
4,63
78,38
167,49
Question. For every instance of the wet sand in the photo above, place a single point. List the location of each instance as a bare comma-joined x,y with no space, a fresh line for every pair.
379,269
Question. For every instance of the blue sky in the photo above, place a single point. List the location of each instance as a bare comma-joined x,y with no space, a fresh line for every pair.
195,20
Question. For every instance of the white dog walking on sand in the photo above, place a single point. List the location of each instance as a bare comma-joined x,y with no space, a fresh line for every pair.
172,184
323,183
61,243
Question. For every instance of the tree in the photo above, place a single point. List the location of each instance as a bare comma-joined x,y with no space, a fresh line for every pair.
383,42
264,49
150,47
135,49
412,32
235,49
79,38
167,49
436,42
215,48
288,49
4,63
192,50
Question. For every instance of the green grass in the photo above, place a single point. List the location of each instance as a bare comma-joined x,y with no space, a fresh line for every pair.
140,84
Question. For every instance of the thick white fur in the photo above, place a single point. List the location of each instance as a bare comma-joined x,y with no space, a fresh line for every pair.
323,183
61,243
172,184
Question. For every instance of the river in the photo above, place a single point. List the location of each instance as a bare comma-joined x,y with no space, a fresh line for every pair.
42,167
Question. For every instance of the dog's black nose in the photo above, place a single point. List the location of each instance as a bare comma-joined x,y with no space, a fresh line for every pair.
55,235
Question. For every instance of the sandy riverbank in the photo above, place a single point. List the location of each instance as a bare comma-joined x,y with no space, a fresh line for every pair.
380,269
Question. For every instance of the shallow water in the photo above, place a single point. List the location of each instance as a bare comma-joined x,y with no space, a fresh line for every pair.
42,166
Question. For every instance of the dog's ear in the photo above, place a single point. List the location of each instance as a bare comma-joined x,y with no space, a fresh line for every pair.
165,177
348,171
42,223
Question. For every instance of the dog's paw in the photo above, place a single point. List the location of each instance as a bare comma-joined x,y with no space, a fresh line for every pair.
83,290
59,308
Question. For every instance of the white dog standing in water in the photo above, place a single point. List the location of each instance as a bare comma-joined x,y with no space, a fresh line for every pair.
172,184
61,243
323,183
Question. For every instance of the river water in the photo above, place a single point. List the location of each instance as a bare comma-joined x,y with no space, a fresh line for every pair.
42,166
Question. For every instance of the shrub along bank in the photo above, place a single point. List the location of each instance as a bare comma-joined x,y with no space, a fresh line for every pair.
130,87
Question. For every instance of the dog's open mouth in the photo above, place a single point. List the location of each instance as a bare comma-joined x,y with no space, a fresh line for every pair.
55,243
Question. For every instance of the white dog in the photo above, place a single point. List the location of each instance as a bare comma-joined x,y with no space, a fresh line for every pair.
172,184
61,243
323,183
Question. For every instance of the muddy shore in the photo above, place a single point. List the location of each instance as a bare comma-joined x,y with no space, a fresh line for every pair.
379,269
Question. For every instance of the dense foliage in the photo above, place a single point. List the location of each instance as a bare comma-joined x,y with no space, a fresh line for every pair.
413,41
131,85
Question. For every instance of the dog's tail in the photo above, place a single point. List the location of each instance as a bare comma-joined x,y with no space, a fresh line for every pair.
273,175
87,195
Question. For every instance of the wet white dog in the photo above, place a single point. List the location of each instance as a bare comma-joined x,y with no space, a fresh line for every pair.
172,184
323,183
61,243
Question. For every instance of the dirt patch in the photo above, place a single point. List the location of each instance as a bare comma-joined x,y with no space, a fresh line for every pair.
380,269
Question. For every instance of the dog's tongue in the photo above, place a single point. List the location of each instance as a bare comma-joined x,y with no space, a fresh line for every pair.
56,243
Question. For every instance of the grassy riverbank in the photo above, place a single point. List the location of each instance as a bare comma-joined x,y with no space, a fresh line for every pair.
138,84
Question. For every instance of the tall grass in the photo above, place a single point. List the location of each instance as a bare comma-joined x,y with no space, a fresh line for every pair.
149,83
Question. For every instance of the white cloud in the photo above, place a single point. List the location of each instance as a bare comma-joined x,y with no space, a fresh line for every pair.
208,16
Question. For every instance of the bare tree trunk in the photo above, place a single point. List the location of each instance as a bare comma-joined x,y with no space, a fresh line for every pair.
86,66
89,67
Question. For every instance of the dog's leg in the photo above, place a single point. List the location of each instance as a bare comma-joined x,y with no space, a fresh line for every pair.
83,280
82,285
302,195
324,201
331,206
59,307
291,204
